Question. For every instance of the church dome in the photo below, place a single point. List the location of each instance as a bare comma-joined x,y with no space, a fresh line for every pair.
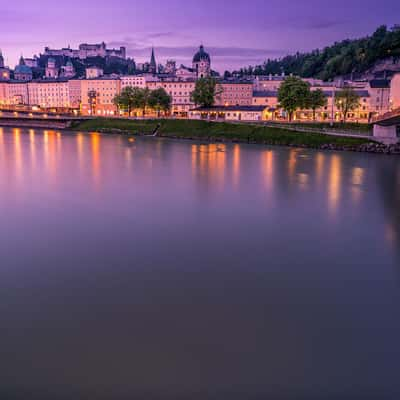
201,55
22,69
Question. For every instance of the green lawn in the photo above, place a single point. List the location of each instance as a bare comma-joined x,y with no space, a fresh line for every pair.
337,126
216,130
103,124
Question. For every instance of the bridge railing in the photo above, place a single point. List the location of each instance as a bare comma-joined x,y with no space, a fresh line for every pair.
388,115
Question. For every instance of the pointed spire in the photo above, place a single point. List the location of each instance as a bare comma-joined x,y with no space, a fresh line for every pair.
153,64
21,60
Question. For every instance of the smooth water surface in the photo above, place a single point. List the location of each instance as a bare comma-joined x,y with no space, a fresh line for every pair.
165,269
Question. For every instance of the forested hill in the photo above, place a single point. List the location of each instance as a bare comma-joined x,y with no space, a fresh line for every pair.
342,58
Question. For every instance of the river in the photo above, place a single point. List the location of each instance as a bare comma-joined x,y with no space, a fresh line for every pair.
166,269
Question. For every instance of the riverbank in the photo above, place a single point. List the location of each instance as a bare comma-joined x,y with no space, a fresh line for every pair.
229,132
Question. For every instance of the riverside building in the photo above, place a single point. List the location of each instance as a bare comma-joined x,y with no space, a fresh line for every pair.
234,93
98,96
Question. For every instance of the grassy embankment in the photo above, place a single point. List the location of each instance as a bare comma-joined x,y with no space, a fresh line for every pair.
204,130
338,126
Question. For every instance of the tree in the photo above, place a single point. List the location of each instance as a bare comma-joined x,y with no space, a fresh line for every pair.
293,94
143,99
347,100
159,100
204,92
133,98
341,58
127,99
316,100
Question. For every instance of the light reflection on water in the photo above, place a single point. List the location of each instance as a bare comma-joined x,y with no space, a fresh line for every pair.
263,270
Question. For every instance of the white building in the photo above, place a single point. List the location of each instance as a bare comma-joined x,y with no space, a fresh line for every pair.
133,81
49,93
94,72
51,69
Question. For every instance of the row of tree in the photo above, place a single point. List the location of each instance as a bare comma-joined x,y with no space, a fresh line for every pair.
342,58
295,94
134,98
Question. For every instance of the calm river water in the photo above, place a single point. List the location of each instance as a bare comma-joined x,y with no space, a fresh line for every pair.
162,269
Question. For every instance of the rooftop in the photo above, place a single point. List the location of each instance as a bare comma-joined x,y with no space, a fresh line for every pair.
265,93
361,93
380,84
201,55
235,82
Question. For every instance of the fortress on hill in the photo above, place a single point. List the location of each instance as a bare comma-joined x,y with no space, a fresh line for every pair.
87,50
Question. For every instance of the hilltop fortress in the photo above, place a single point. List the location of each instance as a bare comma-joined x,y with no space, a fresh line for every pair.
86,51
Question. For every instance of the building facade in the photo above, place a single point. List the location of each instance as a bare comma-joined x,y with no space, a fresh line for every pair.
180,92
133,81
16,93
234,93
94,72
75,93
230,113
379,91
49,93
98,96
395,92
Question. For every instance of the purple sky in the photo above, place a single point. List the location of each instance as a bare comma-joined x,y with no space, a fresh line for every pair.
236,33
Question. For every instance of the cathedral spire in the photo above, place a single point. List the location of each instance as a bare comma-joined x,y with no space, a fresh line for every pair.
153,64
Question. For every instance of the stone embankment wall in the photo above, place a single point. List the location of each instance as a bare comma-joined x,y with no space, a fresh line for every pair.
33,123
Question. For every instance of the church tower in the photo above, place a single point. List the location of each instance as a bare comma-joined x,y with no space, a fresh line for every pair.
202,63
51,69
153,64
4,72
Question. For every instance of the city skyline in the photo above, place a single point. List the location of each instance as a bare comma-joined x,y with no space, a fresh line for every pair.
27,30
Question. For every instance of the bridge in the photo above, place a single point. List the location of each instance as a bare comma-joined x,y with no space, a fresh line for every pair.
387,126
38,119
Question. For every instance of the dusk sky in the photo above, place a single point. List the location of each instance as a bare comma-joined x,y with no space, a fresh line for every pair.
235,33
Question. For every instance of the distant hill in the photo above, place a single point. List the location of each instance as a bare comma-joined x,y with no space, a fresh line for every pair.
110,65
342,58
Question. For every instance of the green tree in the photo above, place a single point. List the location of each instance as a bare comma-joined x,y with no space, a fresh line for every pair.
204,92
127,99
293,94
159,100
143,99
340,58
316,100
347,100
132,98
